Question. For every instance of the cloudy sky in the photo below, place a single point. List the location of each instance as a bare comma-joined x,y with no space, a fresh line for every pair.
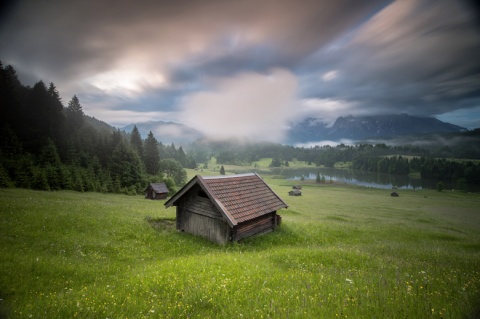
250,67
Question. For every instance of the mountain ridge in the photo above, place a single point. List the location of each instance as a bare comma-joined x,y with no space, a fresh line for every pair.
315,129
366,127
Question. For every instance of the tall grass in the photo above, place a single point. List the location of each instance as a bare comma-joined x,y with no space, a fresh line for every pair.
340,252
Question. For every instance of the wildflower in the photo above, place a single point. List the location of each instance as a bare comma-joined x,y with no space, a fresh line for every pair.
349,280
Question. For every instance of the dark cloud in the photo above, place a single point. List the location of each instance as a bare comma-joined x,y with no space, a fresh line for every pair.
418,57
156,57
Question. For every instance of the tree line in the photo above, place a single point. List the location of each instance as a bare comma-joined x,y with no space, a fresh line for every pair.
398,160
47,146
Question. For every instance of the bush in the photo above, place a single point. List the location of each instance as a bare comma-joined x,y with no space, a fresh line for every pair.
5,180
440,186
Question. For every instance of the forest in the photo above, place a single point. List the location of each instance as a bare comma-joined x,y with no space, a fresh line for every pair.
458,164
46,145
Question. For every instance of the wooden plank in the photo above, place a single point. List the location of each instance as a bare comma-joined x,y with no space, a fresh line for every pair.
203,206
210,228
256,226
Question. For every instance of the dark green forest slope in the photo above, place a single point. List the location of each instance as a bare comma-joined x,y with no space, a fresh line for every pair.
48,146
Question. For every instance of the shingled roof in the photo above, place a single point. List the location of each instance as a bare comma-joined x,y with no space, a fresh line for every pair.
159,187
239,197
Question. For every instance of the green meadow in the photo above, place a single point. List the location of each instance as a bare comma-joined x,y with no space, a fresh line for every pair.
340,252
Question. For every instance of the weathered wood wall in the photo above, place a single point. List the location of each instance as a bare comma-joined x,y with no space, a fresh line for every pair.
213,229
161,195
198,216
257,226
151,194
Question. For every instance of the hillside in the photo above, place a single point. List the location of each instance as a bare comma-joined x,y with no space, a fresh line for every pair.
415,256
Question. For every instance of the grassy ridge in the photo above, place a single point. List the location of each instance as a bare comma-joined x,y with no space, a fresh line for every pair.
340,252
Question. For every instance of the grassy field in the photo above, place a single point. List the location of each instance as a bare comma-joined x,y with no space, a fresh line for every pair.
341,251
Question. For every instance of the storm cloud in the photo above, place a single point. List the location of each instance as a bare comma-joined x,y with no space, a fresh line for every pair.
265,62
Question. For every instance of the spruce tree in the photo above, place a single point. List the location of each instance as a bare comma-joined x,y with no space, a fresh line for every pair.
37,119
23,172
275,162
136,141
75,116
10,106
181,157
49,154
40,181
126,166
57,117
191,163
5,180
151,156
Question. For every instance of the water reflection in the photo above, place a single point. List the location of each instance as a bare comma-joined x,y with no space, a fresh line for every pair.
356,177
359,177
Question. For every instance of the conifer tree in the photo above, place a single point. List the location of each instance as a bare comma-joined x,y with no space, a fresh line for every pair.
40,181
151,156
125,165
49,154
75,116
5,180
10,107
37,118
191,163
57,116
23,172
181,157
275,162
77,181
136,141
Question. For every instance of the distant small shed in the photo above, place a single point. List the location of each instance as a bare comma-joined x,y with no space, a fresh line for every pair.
156,191
295,192
297,187
226,208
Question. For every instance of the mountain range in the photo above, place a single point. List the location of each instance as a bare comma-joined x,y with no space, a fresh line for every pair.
356,128
367,127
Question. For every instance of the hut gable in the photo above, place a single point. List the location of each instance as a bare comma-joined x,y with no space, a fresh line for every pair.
156,191
241,205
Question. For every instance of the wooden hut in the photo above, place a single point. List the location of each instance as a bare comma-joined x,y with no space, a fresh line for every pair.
156,191
295,192
226,208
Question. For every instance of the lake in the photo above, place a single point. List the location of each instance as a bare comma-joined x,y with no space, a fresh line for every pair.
361,178
357,177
